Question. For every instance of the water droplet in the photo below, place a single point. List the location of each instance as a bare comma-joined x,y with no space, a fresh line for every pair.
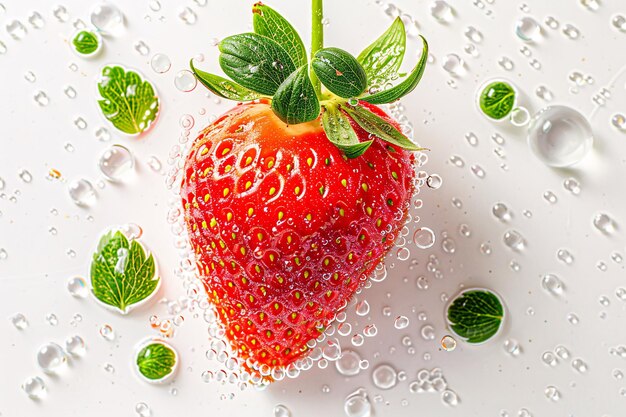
573,319
604,223
562,352
565,256
77,287
473,34
501,212
619,22
523,412
478,171
619,122
370,330
116,163
19,321
550,197
107,332
527,29
82,193
281,411
357,404
515,266
16,29
434,181
52,319
485,249
187,15
617,374
142,410
448,343
549,359
560,136
60,13
185,81
80,123
401,322
357,340
428,332
51,357
453,64
424,238
34,387
514,240
543,93
36,20
571,31
362,308
512,347
160,63
552,393
384,377
441,11
349,363
449,397
572,185
107,18
580,365
142,48
592,5
41,98
552,284
506,63
75,346
25,175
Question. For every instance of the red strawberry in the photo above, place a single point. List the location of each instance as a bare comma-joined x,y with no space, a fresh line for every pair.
285,227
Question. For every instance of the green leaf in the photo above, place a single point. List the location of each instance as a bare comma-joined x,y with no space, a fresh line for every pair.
268,22
340,132
256,62
86,42
121,273
222,87
382,59
129,102
476,315
497,100
380,128
340,72
406,86
295,100
156,361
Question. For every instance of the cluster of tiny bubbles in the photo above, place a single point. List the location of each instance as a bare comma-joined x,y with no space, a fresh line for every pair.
107,18
160,63
116,163
187,15
82,192
185,81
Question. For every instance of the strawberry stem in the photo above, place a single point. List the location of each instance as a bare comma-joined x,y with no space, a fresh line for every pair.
317,39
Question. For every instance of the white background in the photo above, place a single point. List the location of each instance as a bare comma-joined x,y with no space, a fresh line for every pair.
486,378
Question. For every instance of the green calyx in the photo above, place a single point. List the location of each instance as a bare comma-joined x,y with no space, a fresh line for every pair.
272,63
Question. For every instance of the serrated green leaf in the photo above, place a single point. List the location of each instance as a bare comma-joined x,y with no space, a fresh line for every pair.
476,315
270,23
497,99
382,59
340,132
85,42
256,62
222,87
121,273
405,87
156,361
340,72
295,100
380,128
129,102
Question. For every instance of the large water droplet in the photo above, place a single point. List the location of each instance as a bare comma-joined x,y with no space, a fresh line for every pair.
552,284
619,22
501,212
560,136
116,163
82,192
514,240
107,18
448,343
449,397
51,357
185,81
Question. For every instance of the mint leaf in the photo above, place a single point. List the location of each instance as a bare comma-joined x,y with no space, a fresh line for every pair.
156,361
121,273
86,42
340,132
476,315
497,99
256,62
268,22
295,100
340,72
380,128
382,59
128,101
222,87
406,86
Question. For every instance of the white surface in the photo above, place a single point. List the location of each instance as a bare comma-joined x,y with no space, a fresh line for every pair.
487,380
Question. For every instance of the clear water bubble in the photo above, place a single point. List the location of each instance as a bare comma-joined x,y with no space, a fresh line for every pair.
77,287
36,20
34,387
572,185
401,322
619,122
527,29
478,171
464,230
434,181
543,93
592,5
604,223
80,123
281,410
501,212
185,81
70,92
520,116
453,64
473,34
580,365
450,398
448,343
82,192
485,248
471,138
552,284
550,197
75,346
160,63
25,175
618,374
107,18
30,76
617,258
16,29
512,347
154,163
41,98
142,410
19,321
116,163
441,11
560,136
52,319
448,245
549,358
506,63
51,357
565,256
349,363
514,240
142,48
357,340
358,404
384,377
370,330
102,134
571,31
362,308
60,13
515,266
471,50
187,15
573,319
552,393
107,332
619,22
427,332
424,238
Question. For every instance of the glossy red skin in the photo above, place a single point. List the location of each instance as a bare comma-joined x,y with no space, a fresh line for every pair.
275,294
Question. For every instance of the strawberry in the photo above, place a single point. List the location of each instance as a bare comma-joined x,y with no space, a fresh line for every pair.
291,201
